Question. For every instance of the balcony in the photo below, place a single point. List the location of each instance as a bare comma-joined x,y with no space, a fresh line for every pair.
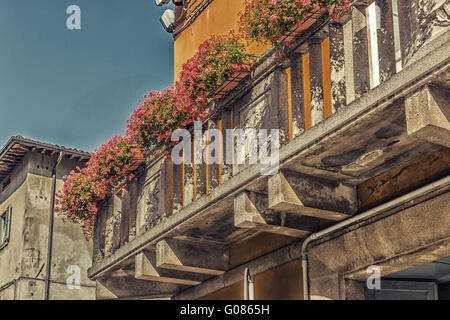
353,99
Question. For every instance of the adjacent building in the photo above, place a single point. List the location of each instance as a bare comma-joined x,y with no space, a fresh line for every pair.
31,266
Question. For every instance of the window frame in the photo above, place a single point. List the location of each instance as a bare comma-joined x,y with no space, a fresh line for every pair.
4,237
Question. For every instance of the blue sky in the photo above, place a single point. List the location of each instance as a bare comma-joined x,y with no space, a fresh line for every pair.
78,87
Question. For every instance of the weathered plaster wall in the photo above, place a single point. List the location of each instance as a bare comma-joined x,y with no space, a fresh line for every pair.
34,289
11,255
23,261
70,248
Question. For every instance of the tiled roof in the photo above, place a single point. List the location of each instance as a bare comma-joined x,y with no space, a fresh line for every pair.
17,146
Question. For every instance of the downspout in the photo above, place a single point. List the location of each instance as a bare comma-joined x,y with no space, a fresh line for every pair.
361,217
249,285
50,228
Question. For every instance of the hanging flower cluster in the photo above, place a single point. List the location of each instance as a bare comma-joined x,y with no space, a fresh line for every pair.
106,173
150,126
211,67
77,201
152,123
269,20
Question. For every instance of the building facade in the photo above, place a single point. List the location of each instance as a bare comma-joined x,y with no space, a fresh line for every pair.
359,208
30,173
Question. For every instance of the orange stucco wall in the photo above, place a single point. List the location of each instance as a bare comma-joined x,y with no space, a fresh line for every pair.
219,18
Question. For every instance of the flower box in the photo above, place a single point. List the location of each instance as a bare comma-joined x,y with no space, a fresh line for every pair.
311,18
233,81
137,157
157,152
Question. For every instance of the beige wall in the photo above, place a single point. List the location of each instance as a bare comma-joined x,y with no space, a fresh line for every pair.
11,255
23,260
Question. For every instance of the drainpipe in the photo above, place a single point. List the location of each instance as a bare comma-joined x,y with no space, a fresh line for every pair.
249,288
50,228
362,217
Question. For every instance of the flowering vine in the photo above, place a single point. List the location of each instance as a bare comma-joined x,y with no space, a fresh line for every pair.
269,20
106,173
152,123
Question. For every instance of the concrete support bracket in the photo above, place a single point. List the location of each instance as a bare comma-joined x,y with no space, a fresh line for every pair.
251,212
192,256
146,270
428,115
103,293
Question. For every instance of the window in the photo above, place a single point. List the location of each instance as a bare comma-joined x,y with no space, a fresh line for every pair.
5,219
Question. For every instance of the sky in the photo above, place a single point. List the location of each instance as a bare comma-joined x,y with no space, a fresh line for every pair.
77,88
